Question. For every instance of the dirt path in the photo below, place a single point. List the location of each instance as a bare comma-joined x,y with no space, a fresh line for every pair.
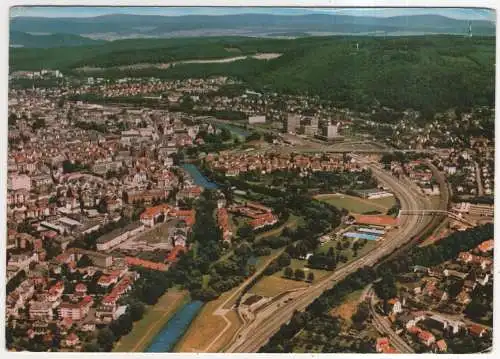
166,65
220,311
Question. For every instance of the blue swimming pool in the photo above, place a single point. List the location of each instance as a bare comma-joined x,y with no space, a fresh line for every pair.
378,232
367,236
198,177
175,328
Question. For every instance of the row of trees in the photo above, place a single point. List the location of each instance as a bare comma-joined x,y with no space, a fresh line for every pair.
298,274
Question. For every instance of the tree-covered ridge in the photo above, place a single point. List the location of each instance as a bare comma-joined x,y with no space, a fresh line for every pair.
425,73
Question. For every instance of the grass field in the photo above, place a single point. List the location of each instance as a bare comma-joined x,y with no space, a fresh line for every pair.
153,321
156,235
293,222
301,264
386,202
348,306
271,286
440,232
435,200
369,246
356,204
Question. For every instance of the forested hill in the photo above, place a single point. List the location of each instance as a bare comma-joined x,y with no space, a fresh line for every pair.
22,39
142,25
423,73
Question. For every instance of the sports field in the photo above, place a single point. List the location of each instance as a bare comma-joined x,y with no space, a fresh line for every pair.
356,204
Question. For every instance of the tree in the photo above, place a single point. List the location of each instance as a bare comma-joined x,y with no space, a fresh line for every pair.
102,207
386,289
122,325
310,277
299,274
106,338
284,260
361,316
338,246
288,272
84,261
39,123
136,309
12,119
245,232
91,347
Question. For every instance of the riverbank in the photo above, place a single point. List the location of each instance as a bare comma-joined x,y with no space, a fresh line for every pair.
155,318
202,332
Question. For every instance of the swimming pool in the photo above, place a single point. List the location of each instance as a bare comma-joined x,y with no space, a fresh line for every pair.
371,231
367,236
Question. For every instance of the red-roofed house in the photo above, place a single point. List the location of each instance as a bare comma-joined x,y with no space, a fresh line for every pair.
427,338
441,345
486,246
395,305
56,291
223,222
80,289
477,331
381,343
266,220
133,261
174,253
72,340
152,214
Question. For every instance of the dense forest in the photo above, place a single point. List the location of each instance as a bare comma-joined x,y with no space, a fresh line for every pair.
425,73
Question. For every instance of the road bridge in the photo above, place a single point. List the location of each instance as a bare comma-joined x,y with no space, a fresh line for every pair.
430,212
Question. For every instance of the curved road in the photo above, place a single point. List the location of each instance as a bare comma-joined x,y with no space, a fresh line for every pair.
267,322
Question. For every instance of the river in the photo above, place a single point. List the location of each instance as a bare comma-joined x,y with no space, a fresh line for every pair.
198,177
235,129
175,328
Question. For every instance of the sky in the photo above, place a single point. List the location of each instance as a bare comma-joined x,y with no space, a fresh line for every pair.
457,13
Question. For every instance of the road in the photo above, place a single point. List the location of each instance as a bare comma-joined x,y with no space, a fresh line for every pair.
384,327
308,144
480,189
266,323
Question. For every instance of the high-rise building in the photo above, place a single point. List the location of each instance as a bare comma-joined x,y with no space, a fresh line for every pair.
309,126
292,123
329,131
